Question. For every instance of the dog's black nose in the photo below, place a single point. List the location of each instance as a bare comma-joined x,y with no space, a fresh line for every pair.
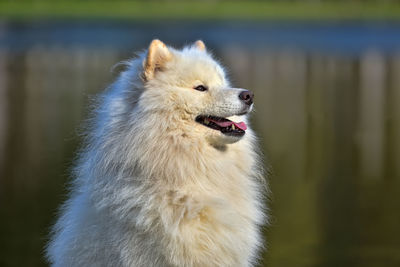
247,97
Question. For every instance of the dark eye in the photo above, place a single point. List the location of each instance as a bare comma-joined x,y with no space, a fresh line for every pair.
201,88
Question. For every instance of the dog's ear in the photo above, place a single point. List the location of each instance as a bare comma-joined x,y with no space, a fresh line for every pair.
200,45
157,55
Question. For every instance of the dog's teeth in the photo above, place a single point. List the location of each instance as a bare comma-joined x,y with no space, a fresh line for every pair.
206,121
233,126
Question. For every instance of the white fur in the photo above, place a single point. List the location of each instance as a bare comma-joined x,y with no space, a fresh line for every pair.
155,188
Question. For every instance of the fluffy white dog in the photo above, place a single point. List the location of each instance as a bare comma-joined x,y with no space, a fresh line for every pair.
169,175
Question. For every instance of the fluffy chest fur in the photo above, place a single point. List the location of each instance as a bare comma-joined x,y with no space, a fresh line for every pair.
206,205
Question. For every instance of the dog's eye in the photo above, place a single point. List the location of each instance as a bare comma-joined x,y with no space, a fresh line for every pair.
201,88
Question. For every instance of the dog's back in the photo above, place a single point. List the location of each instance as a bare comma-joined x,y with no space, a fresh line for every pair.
168,176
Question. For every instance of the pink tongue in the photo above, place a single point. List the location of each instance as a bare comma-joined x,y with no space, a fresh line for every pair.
240,125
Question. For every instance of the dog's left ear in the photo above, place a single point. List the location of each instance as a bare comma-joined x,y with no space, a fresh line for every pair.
200,45
157,55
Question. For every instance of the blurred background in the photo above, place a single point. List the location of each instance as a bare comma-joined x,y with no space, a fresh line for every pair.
326,75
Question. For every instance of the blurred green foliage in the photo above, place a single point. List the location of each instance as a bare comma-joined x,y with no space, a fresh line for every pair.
199,10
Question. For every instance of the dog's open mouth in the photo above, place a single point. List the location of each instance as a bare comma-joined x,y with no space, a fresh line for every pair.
223,125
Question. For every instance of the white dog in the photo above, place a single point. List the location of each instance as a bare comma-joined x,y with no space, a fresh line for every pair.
169,175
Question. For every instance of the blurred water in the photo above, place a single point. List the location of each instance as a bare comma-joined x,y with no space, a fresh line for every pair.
327,112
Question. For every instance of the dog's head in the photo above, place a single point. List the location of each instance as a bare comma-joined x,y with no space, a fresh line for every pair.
191,87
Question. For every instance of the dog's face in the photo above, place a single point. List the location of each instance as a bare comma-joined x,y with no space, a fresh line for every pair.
192,86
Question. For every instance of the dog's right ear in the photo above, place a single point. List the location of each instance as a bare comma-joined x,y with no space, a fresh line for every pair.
200,45
157,55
